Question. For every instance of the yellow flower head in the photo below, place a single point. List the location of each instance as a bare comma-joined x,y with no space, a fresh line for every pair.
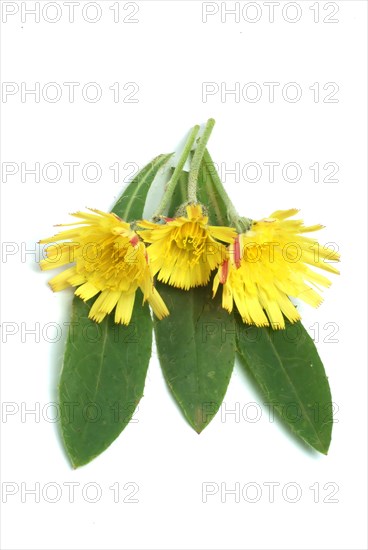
184,250
269,263
109,258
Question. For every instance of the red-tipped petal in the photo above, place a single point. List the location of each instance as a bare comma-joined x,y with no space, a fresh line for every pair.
134,240
224,271
237,252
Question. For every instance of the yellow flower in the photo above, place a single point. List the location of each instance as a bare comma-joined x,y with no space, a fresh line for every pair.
109,258
184,250
269,263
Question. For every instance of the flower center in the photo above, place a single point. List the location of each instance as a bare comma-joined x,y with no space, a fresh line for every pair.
191,238
118,265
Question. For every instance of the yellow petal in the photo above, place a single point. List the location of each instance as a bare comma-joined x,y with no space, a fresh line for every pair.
124,308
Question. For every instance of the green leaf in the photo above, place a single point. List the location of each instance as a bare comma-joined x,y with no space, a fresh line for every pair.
217,209
130,205
105,364
196,342
287,367
196,347
102,380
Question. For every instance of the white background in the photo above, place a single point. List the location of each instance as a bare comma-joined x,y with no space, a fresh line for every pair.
169,53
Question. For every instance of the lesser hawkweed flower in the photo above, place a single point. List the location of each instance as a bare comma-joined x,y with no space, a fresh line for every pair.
184,250
270,262
110,259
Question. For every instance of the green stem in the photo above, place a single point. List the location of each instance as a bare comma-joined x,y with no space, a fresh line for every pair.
177,172
197,159
241,224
